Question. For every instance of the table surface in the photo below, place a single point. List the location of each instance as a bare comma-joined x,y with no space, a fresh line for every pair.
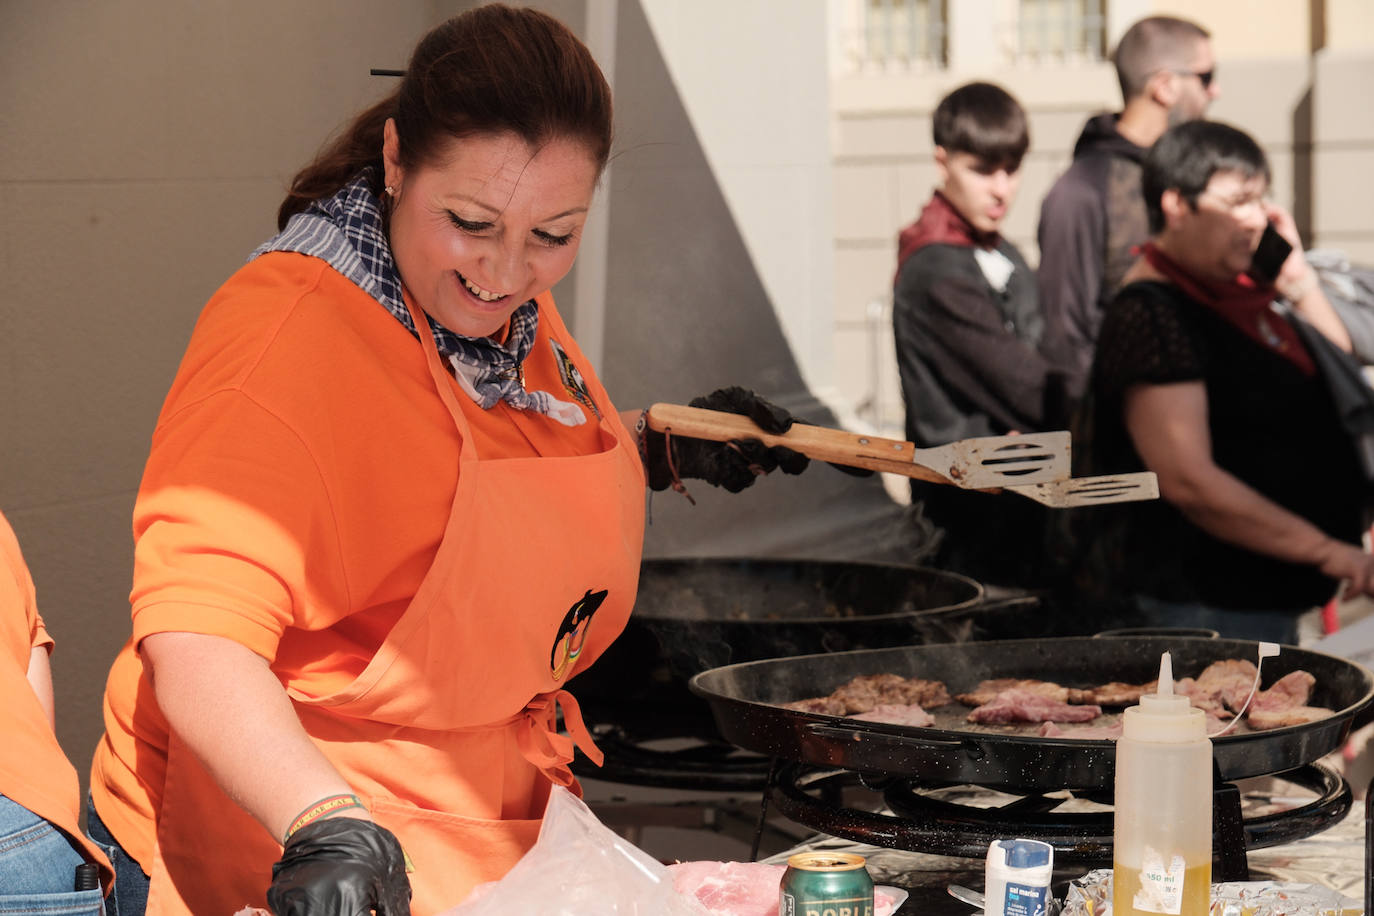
1333,859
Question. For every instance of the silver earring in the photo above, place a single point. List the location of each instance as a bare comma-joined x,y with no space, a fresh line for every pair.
391,192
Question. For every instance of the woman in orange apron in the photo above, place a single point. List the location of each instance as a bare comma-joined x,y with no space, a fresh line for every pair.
388,512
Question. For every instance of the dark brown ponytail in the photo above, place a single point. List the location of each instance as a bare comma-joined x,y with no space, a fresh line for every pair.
492,69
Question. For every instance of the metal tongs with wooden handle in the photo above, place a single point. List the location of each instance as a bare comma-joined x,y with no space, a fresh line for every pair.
1034,465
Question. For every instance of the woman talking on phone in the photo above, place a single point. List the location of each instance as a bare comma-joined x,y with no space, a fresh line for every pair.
1200,378
389,511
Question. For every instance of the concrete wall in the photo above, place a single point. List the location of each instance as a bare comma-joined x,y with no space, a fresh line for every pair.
764,128
145,147
1307,109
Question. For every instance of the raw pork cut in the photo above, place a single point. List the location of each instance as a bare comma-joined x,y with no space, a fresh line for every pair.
745,888
733,888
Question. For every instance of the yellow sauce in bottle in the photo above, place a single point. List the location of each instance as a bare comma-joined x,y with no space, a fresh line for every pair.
1195,900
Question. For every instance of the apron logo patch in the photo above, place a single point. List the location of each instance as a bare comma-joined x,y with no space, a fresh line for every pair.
573,382
572,632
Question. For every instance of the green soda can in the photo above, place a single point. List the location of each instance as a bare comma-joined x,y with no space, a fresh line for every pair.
826,884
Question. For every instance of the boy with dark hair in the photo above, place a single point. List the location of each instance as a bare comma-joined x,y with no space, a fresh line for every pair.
967,321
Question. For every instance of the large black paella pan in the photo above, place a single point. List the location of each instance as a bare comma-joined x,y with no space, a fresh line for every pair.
746,702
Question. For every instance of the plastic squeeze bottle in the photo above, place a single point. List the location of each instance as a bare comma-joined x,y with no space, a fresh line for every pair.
1162,836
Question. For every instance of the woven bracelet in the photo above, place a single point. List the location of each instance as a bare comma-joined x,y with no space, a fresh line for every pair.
319,809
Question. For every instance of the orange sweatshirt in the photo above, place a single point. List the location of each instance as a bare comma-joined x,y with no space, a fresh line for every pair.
307,558
34,772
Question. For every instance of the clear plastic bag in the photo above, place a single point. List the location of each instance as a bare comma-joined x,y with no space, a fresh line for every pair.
580,867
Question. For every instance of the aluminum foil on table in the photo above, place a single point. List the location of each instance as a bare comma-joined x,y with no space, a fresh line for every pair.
1091,895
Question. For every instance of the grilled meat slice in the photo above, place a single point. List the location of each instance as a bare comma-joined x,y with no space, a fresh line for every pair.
1206,700
1285,703
863,693
1097,732
1230,680
898,714
1118,693
986,691
828,705
1029,705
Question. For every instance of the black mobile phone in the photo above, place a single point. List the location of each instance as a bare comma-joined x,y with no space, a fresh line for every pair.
1268,258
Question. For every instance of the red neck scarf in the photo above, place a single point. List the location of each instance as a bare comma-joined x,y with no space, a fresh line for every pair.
1242,302
941,224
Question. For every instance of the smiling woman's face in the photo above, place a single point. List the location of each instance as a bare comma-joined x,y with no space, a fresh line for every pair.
490,224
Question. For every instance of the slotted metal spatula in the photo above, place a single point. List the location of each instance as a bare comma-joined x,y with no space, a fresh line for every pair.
1092,491
976,464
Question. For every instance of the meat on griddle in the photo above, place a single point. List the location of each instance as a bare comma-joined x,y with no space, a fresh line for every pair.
1118,693
863,693
987,691
897,714
827,705
1206,700
1084,732
1018,705
1221,691
1105,732
1285,703
1230,680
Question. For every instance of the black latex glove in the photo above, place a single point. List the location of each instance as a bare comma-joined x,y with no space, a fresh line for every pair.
340,866
731,465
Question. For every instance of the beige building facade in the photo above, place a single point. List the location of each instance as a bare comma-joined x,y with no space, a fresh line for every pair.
1296,75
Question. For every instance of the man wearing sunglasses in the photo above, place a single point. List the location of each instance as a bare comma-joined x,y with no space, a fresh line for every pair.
1094,215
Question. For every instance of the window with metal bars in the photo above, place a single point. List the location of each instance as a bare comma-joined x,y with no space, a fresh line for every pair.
1053,30
898,35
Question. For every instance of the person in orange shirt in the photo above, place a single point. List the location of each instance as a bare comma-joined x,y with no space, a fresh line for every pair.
47,865
388,512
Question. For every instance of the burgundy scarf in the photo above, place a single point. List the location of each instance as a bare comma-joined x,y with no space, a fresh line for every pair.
1242,302
940,224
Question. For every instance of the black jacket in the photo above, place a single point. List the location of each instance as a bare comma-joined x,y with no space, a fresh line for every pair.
1090,220
966,353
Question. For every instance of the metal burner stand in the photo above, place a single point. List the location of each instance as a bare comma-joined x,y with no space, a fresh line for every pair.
685,763
814,797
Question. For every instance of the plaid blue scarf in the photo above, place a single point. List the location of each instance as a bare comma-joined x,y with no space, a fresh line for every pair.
346,232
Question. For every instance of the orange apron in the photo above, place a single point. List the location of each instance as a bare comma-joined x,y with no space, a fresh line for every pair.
449,733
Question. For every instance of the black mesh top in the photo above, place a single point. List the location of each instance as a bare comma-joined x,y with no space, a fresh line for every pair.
1272,427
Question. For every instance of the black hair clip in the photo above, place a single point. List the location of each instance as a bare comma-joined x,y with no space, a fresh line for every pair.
376,72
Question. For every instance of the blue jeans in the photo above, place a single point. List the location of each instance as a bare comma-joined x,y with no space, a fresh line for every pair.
37,867
130,897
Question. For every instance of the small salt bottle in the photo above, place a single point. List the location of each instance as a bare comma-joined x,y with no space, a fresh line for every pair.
1018,878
